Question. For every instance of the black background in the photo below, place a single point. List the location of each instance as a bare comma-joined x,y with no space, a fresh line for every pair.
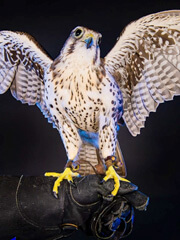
30,146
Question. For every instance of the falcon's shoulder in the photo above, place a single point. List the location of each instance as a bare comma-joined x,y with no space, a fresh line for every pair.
145,62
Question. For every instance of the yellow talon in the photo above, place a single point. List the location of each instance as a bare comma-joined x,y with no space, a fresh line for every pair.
111,174
123,179
52,174
67,174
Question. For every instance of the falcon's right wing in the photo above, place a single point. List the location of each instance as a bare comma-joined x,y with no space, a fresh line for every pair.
22,66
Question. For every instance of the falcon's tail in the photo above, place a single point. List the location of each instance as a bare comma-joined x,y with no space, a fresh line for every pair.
91,162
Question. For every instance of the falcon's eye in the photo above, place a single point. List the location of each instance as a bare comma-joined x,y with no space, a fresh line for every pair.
78,33
99,40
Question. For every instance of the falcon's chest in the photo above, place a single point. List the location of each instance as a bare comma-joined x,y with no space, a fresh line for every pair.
83,96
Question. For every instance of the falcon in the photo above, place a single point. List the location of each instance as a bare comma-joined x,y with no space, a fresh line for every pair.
86,96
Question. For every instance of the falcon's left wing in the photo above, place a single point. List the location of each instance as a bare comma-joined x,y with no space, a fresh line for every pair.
145,62
23,64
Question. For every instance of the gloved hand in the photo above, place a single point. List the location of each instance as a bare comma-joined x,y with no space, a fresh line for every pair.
29,211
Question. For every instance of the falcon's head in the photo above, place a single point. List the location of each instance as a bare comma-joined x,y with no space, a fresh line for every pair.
83,45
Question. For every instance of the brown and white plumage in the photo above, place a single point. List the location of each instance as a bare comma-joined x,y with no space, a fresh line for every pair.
146,64
22,67
82,94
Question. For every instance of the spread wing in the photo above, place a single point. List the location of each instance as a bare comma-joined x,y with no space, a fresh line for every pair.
22,67
145,62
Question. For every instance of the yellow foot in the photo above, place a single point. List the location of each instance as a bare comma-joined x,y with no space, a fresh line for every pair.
111,174
67,174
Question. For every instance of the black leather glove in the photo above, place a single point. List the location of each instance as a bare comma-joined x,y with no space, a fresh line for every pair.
28,209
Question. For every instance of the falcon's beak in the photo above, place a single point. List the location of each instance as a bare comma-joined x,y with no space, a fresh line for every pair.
89,40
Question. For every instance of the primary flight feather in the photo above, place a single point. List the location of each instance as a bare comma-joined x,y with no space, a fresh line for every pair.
85,96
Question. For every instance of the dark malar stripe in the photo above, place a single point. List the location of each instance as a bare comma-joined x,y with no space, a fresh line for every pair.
71,48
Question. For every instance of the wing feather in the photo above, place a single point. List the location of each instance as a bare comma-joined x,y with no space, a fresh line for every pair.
145,62
23,64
